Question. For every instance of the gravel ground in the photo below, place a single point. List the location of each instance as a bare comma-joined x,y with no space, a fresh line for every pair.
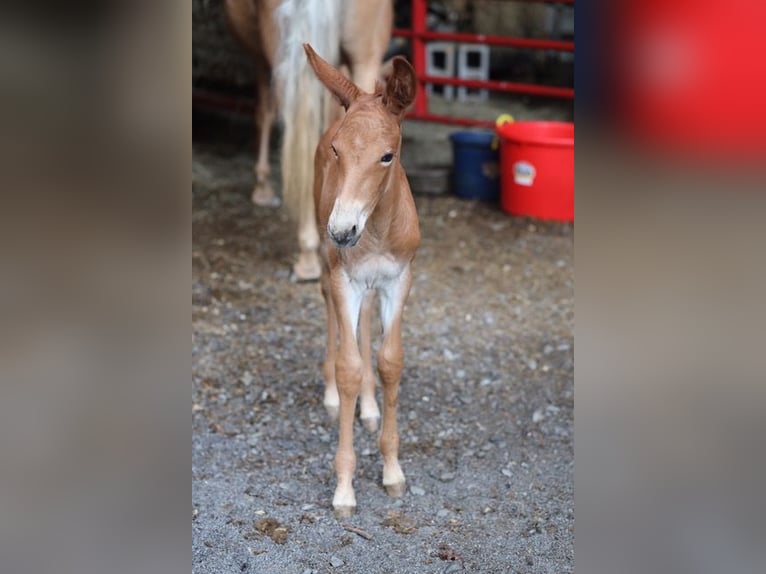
486,403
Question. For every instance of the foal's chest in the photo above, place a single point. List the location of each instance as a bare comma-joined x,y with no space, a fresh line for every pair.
374,270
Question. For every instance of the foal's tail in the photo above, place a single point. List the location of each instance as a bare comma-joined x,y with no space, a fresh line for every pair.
303,107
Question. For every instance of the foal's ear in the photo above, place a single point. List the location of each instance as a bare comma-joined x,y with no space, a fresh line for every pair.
340,86
400,87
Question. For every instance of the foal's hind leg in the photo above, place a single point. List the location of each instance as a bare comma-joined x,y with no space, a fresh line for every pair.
369,413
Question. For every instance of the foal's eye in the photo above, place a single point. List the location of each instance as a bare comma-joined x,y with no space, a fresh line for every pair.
388,158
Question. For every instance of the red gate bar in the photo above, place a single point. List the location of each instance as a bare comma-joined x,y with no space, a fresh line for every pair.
238,105
419,34
510,41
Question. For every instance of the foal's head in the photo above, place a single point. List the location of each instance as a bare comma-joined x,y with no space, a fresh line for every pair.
366,145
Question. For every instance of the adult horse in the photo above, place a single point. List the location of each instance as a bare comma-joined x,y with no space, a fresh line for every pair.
354,33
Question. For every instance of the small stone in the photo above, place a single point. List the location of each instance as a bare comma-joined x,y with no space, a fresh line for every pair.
485,382
452,214
447,476
532,364
460,374
336,562
246,378
307,507
443,513
366,452
563,347
417,491
548,349
449,355
537,416
507,472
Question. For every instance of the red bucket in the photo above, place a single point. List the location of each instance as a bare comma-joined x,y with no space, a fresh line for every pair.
537,169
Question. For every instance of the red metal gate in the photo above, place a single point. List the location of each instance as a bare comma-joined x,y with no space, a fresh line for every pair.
418,36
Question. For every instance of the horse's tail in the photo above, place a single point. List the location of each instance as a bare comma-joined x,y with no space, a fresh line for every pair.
302,97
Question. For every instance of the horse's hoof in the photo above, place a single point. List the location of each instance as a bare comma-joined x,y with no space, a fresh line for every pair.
396,490
332,412
344,512
264,196
307,268
370,424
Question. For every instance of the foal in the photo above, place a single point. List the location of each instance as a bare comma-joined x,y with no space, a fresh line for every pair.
363,201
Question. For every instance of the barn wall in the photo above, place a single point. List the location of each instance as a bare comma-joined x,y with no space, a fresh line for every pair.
216,57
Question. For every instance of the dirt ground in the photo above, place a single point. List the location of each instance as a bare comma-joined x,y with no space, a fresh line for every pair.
486,403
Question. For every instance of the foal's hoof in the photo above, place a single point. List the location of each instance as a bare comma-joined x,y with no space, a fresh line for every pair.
264,196
396,490
370,424
344,512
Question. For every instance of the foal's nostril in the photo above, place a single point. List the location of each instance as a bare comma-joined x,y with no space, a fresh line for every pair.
346,238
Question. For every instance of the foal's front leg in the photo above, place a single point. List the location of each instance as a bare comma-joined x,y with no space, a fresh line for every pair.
369,413
347,298
390,364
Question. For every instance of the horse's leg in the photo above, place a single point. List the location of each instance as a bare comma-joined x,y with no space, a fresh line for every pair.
348,373
263,194
390,363
369,413
365,44
331,400
307,267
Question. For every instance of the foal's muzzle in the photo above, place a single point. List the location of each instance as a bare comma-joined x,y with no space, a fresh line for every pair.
344,237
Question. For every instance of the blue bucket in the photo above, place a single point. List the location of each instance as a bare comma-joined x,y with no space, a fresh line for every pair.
476,170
